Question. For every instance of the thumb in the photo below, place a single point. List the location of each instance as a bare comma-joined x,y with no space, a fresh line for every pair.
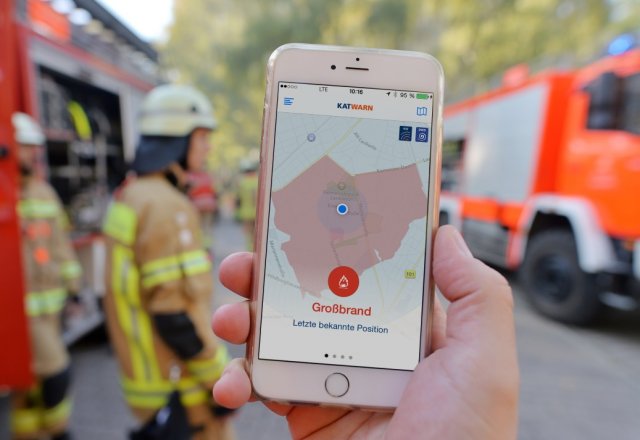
468,388
481,309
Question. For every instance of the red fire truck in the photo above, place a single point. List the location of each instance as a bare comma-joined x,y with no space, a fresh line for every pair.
542,175
83,75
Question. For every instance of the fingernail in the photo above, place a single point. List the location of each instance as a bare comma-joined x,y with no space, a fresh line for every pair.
460,244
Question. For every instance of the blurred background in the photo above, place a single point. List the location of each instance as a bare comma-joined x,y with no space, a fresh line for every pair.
541,165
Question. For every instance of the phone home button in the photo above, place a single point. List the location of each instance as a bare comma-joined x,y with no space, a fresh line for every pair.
336,384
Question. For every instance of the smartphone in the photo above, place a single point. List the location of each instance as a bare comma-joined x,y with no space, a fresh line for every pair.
347,202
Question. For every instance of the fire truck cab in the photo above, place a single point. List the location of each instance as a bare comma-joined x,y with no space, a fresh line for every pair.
542,176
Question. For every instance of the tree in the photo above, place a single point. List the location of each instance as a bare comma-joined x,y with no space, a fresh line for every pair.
222,46
482,39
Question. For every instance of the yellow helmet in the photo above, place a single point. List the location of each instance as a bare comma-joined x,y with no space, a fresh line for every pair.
175,110
27,130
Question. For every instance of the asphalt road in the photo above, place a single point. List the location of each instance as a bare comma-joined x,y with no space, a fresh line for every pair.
577,383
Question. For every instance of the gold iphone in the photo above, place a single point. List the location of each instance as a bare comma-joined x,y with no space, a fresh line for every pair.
347,211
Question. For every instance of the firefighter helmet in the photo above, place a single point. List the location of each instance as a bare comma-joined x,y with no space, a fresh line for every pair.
248,165
175,110
169,115
27,130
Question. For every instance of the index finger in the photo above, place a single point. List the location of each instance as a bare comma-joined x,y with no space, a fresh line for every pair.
236,271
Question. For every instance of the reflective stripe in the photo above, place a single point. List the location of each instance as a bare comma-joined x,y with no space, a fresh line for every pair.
134,321
45,302
170,272
58,414
175,267
25,422
195,395
70,270
153,395
34,208
121,223
209,370
80,120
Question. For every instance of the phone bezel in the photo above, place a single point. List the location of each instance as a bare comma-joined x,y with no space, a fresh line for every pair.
303,383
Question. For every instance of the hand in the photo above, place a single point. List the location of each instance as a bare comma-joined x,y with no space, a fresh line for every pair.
466,389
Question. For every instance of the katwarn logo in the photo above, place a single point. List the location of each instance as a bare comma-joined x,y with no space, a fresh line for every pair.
365,107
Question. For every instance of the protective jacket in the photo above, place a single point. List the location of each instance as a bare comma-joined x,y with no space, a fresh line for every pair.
51,271
247,197
158,302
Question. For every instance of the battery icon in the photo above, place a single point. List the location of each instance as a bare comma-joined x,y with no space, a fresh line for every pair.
421,96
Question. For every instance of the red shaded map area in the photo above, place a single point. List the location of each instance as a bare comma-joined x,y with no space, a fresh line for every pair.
381,207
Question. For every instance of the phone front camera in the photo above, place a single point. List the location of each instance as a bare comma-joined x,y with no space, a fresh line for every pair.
358,59
333,67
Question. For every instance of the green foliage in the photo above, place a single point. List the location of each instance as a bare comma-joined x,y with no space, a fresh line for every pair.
221,46
489,37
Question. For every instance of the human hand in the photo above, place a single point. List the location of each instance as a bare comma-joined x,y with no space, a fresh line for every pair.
467,388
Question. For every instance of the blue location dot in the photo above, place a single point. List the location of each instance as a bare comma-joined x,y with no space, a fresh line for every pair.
342,209
311,137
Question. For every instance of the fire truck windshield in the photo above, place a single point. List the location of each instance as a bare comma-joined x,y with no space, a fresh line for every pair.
614,103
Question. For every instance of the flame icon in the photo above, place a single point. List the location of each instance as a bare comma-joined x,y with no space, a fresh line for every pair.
343,281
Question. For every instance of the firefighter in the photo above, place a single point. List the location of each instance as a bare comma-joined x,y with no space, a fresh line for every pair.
159,280
52,275
246,199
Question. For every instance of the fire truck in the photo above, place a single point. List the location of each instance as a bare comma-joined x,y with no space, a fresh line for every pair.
542,176
83,74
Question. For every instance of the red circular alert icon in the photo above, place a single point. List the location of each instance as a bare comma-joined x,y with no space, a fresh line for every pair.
343,281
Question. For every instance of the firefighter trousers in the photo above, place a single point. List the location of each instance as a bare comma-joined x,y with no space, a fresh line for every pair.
42,410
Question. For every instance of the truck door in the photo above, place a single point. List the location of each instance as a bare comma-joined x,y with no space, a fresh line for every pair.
14,341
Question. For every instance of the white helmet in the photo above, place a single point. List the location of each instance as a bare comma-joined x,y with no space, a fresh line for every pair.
27,130
175,110
248,165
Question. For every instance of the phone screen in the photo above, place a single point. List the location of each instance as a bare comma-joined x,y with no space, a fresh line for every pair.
346,240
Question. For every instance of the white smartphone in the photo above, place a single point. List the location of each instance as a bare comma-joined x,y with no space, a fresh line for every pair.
348,196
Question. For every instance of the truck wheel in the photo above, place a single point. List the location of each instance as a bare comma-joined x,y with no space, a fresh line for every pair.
554,282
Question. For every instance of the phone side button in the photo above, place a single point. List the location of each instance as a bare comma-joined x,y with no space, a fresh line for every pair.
336,384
